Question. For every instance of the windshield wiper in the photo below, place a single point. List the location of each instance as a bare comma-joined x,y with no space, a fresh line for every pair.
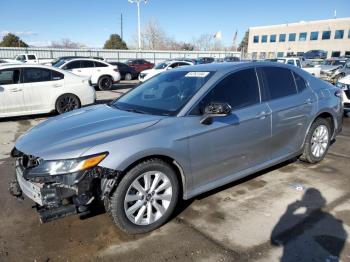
135,111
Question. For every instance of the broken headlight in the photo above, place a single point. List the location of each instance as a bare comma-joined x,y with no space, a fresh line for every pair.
66,166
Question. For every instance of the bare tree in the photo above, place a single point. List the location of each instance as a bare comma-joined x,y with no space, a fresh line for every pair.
66,43
204,42
153,36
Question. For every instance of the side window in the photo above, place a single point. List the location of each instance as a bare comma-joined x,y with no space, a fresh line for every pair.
278,82
21,58
10,77
239,89
183,64
87,64
31,57
98,64
174,65
56,75
72,65
300,82
31,75
298,63
290,62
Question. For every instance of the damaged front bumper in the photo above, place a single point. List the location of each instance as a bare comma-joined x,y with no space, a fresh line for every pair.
60,195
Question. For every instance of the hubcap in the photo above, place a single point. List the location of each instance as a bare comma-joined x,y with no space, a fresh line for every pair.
319,141
67,103
148,198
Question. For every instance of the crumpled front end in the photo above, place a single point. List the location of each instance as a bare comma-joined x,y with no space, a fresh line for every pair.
57,196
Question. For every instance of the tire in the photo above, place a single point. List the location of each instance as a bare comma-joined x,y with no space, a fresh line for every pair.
316,145
128,76
105,83
66,103
146,211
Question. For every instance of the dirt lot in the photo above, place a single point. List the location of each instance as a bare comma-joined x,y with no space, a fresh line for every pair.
292,212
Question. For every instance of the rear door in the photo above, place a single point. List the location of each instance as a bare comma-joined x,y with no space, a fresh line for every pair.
43,86
87,68
232,143
291,108
11,92
73,67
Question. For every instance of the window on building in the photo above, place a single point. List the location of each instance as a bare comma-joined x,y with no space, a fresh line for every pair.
272,38
282,38
339,34
280,54
302,36
314,36
264,39
256,39
262,55
335,53
291,37
349,34
300,53
326,35
254,55
347,53
289,54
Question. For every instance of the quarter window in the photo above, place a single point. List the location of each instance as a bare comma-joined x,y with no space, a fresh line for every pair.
339,34
31,75
56,75
326,35
278,82
10,77
300,82
291,37
314,36
239,89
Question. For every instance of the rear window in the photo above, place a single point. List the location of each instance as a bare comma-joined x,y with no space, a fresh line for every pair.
31,57
277,82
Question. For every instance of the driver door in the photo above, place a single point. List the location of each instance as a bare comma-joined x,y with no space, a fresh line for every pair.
233,143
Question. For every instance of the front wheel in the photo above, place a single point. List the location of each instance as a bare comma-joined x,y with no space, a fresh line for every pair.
145,198
128,76
66,103
317,141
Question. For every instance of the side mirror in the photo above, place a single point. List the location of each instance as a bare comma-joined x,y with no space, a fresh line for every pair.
215,110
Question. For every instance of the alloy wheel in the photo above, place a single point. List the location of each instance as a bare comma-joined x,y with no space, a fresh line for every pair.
319,141
148,198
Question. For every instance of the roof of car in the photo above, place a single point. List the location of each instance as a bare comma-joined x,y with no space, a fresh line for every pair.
10,66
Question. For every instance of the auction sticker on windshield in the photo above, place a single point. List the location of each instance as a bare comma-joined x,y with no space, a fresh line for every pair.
197,74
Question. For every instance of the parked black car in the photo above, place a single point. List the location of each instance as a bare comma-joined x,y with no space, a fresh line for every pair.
315,54
126,72
204,60
231,59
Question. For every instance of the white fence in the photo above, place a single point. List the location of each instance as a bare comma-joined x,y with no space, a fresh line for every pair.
113,55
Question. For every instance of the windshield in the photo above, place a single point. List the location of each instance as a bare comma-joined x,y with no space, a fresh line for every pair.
161,66
164,94
58,63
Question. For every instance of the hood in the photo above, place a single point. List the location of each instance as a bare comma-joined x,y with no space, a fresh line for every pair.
327,68
71,134
151,71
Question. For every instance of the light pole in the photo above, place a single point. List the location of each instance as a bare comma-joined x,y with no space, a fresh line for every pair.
138,19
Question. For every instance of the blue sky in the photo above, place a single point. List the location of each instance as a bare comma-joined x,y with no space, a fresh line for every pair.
91,22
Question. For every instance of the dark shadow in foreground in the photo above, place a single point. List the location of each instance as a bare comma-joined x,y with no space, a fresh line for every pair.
307,232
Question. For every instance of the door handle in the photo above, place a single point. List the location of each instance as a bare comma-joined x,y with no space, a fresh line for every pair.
78,70
263,115
308,101
16,89
57,85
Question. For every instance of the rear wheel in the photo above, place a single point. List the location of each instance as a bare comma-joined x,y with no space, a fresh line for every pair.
66,103
317,141
128,76
145,198
105,83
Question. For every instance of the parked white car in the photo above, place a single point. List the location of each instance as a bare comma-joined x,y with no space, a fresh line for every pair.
29,58
344,85
167,65
100,73
36,89
295,61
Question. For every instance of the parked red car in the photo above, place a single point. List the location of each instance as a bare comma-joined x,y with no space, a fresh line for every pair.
140,64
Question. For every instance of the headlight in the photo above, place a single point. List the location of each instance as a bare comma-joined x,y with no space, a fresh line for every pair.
65,166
